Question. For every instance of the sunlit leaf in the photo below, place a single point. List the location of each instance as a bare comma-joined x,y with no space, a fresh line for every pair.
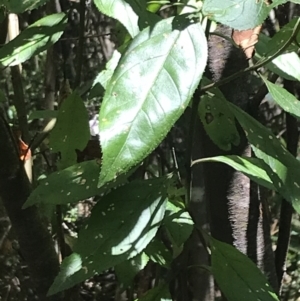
34,39
120,227
253,168
20,6
284,167
151,87
284,99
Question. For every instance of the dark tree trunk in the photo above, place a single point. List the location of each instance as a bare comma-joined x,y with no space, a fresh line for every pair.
36,244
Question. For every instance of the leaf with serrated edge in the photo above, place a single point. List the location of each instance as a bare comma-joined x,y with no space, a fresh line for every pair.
121,225
150,89
237,276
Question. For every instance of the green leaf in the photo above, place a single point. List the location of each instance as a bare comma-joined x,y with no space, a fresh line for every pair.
178,222
17,6
120,227
150,89
286,65
238,14
71,130
132,14
158,253
218,121
253,168
284,99
285,169
102,79
75,183
159,293
127,270
44,114
34,39
237,276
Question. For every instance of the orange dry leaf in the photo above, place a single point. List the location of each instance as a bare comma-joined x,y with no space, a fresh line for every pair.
246,39
24,150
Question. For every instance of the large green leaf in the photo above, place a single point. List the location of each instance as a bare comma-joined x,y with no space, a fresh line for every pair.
253,168
121,225
237,276
75,183
284,99
285,169
239,14
71,130
34,39
132,14
150,89
20,6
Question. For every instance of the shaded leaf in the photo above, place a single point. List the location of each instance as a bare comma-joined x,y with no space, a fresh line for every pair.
237,276
121,225
150,89
43,114
159,293
253,168
284,99
71,130
34,39
127,270
158,253
285,169
218,121
75,183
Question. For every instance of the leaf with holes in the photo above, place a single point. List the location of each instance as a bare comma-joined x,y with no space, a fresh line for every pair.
71,130
34,39
218,121
237,276
253,168
73,184
150,89
239,14
121,225
286,65
284,168
284,99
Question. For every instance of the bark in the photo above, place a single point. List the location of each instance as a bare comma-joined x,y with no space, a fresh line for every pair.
36,244
236,216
